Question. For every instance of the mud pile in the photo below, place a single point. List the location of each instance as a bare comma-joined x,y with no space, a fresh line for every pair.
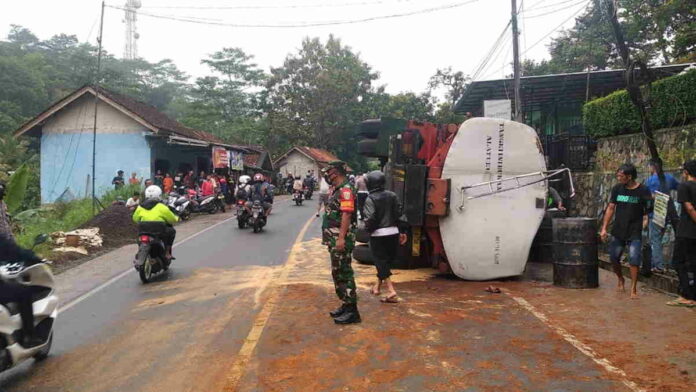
115,226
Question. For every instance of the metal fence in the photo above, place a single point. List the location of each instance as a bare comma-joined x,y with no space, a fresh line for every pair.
572,151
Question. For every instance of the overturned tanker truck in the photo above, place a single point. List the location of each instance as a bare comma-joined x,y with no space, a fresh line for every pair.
473,195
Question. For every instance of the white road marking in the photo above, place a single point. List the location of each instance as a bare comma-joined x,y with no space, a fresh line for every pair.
575,342
239,366
131,270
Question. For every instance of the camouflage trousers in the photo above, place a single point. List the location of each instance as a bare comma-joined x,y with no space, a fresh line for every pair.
343,277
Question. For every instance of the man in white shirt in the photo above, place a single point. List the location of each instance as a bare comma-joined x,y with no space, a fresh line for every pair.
323,194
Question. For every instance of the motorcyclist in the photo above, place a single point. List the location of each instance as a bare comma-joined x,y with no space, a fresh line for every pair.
243,190
297,185
308,183
153,210
19,293
260,190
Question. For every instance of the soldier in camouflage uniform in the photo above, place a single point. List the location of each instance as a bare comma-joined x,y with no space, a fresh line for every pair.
338,231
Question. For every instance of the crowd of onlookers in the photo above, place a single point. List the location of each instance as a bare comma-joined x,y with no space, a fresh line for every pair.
201,185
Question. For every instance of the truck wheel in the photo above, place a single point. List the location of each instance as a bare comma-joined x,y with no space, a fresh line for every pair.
368,147
363,255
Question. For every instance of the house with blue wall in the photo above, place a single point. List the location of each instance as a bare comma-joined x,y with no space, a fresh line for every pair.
130,135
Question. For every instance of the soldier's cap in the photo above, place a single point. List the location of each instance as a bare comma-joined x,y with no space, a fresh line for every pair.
340,165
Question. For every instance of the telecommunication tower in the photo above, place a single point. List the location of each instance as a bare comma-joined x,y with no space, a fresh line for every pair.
130,50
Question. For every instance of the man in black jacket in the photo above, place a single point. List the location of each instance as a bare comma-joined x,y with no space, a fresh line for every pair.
19,293
382,212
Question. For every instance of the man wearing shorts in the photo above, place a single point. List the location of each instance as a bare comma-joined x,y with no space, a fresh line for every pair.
630,202
323,195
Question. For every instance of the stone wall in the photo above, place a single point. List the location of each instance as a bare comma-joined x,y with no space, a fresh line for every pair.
592,188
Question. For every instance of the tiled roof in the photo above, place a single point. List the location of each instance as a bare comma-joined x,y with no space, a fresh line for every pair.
319,155
156,118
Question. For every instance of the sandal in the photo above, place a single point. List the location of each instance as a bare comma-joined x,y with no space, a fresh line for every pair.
373,291
493,289
392,299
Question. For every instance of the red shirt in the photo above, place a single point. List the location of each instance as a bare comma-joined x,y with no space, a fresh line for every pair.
207,188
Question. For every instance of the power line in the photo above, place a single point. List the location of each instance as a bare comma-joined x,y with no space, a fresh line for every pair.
548,34
556,10
535,8
261,7
496,45
304,24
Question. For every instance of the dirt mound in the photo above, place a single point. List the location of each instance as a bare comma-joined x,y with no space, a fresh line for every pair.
115,226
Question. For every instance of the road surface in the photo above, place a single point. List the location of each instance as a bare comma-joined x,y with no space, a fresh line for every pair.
179,333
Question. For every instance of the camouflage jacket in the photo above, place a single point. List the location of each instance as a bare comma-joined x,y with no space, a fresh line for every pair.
341,200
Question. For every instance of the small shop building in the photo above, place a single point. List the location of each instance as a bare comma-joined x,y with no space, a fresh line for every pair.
130,135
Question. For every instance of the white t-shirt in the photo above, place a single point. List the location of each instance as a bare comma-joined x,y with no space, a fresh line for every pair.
132,202
323,186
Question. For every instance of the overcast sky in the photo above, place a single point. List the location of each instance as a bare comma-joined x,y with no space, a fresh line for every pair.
406,51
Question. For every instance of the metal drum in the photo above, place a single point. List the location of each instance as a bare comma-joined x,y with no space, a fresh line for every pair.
542,246
576,263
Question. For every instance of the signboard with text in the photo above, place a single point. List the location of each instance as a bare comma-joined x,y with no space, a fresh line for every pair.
221,159
236,160
499,108
660,209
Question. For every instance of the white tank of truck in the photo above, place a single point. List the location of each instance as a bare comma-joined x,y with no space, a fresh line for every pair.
497,170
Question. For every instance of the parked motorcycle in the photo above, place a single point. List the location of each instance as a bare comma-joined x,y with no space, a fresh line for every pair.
40,277
257,219
180,205
298,197
242,214
151,257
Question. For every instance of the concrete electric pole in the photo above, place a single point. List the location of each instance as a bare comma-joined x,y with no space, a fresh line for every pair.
516,63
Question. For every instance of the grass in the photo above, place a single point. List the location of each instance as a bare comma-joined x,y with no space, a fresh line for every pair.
63,217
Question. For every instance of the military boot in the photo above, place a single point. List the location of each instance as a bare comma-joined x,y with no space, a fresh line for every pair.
339,311
349,316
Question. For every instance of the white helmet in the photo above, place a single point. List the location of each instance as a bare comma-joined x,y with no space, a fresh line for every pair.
153,192
244,179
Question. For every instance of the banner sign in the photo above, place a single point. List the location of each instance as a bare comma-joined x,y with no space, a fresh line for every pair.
221,159
660,210
236,160
499,108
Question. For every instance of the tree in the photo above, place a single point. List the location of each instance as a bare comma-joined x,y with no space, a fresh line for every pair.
318,97
228,102
454,82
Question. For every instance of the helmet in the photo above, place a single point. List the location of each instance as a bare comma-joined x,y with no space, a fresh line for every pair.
244,179
153,192
258,177
375,181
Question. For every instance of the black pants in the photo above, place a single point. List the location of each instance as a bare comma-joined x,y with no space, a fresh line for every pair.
384,250
160,230
362,196
684,262
22,295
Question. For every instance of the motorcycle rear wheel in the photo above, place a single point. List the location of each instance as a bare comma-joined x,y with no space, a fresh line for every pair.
43,353
145,271
241,224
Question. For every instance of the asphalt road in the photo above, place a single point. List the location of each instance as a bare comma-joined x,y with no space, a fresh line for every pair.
179,333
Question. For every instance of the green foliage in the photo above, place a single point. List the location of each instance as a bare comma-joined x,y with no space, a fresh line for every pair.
656,31
17,188
672,102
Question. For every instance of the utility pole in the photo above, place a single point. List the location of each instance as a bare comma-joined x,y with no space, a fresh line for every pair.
96,103
516,63
632,86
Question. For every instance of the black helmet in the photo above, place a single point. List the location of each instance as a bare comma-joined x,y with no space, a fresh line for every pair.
375,181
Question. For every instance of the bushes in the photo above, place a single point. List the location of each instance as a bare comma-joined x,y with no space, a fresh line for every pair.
672,100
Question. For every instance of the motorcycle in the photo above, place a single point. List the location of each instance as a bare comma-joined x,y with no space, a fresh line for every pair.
40,277
308,193
151,257
257,219
297,197
242,214
180,205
